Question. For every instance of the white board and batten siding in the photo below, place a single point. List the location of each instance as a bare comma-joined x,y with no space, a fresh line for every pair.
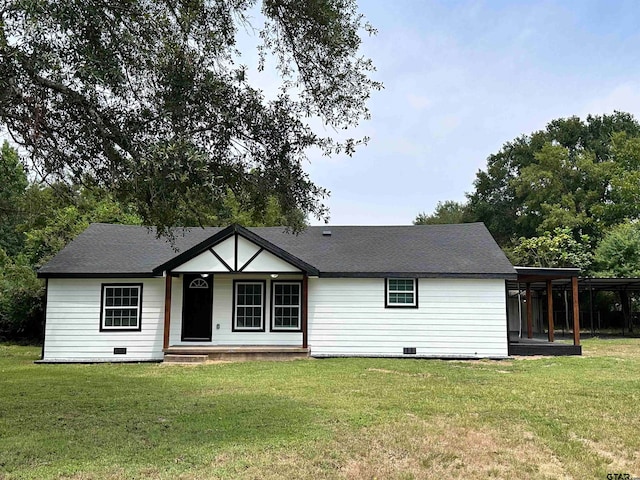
454,318
222,332
73,322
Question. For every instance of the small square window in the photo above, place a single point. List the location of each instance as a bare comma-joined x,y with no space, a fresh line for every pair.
401,292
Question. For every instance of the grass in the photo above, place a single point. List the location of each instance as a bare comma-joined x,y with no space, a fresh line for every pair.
570,417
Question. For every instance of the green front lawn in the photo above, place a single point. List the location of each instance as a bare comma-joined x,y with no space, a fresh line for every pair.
572,417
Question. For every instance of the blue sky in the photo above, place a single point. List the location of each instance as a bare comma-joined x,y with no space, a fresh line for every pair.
462,78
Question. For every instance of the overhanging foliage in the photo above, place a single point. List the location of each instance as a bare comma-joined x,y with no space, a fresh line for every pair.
148,100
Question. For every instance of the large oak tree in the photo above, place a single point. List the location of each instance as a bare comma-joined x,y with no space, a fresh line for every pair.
581,174
551,196
147,98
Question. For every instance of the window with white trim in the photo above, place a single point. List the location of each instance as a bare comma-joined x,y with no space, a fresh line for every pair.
121,307
249,306
402,292
286,306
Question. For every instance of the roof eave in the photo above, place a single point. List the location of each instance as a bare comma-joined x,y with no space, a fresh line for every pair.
96,275
490,275
533,274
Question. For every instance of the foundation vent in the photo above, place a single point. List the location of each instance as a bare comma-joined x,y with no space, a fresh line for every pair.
409,350
119,351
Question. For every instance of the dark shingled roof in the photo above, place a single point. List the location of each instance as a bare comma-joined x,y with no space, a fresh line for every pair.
460,250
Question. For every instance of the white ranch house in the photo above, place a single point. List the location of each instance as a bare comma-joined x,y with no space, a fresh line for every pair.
118,293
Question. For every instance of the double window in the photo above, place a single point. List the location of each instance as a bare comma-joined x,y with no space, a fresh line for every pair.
248,305
401,292
121,306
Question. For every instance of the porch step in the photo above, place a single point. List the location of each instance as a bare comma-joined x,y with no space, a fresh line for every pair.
237,353
551,349
171,358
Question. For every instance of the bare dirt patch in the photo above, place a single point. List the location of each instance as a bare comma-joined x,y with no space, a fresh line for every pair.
618,460
440,449
612,348
398,372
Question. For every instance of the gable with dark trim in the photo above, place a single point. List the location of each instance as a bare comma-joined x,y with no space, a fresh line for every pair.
235,230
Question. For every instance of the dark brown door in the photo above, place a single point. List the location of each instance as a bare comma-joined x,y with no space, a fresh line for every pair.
197,300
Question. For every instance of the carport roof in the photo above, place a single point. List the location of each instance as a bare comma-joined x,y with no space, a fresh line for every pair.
561,277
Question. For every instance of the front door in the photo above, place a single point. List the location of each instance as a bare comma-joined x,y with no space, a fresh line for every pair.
197,300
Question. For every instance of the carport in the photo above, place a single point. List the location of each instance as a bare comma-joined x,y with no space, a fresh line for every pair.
542,282
531,311
623,286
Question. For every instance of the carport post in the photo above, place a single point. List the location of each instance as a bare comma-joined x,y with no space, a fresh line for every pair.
591,308
576,311
550,310
519,311
529,312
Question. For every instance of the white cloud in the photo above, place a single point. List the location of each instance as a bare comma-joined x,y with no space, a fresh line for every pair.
624,97
419,102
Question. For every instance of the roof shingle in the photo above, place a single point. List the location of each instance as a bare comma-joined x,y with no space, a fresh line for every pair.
457,250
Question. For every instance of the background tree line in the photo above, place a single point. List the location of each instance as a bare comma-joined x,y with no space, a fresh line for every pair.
565,196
